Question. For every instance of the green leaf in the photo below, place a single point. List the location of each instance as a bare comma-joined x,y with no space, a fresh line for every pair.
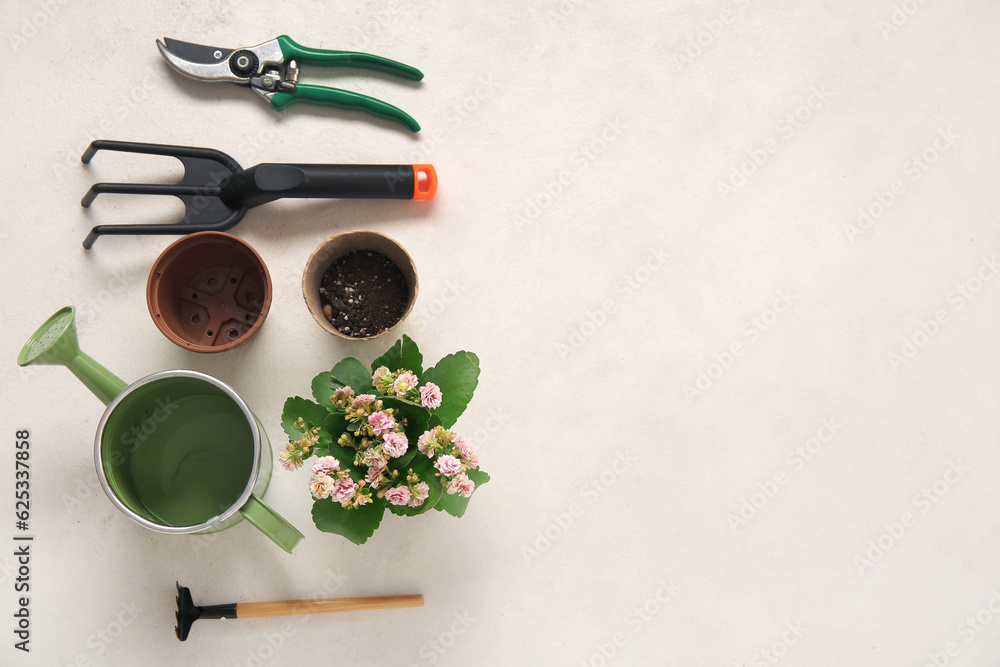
352,372
335,424
457,375
314,415
323,386
357,524
404,461
403,355
425,470
414,414
455,505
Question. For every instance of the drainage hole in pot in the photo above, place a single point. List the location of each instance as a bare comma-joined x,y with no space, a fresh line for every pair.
194,295
212,282
233,334
248,317
195,319
232,280
209,332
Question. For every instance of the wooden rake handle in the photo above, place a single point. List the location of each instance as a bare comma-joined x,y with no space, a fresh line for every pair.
291,607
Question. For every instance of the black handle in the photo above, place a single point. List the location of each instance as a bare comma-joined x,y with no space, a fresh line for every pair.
267,182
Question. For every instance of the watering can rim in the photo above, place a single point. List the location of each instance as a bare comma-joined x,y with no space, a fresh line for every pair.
214,521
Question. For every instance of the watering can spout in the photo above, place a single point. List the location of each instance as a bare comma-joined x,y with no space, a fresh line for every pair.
55,343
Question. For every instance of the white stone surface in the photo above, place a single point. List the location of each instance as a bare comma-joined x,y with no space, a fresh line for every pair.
582,243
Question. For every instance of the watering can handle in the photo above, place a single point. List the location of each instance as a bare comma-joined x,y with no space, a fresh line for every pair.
272,524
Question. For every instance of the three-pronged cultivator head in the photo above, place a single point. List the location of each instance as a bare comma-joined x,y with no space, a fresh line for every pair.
205,170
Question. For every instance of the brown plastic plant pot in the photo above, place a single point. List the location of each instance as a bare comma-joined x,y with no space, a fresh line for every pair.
209,292
336,247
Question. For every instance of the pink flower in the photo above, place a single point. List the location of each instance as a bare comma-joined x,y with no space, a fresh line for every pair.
375,475
430,396
382,379
321,486
373,459
462,485
343,393
420,493
467,452
404,383
381,423
394,444
362,400
343,490
326,465
426,443
448,465
398,495
290,457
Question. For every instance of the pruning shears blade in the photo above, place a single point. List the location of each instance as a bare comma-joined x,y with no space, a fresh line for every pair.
197,61
197,53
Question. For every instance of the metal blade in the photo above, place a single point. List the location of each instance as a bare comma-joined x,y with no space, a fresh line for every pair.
197,53
214,69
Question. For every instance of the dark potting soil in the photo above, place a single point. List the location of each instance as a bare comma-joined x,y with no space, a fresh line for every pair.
363,293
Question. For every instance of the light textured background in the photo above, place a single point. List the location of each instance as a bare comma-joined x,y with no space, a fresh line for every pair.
627,192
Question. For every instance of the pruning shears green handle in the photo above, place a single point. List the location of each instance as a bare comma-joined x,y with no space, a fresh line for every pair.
272,70
295,51
343,99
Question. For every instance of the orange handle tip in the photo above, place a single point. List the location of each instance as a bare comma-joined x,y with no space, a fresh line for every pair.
425,181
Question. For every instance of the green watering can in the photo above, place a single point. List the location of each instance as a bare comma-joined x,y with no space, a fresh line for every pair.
177,451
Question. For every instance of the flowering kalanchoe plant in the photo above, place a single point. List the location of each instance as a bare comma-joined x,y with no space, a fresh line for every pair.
383,439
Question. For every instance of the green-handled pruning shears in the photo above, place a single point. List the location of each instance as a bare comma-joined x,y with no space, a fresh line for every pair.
272,70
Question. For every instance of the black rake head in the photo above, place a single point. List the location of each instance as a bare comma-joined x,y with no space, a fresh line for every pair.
187,612
205,170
